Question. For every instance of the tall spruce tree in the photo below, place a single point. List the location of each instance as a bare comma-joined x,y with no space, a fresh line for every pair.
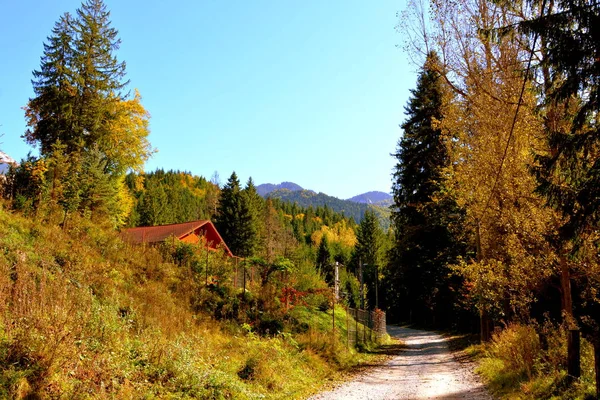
570,175
50,113
255,205
79,108
101,77
79,79
234,219
424,246
367,251
325,259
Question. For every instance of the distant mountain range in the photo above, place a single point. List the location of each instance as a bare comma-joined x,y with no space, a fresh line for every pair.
379,198
354,207
374,197
267,188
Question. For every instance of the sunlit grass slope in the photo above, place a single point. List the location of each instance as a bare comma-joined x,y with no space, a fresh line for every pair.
83,315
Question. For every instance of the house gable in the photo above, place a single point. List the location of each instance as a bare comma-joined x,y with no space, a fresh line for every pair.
188,232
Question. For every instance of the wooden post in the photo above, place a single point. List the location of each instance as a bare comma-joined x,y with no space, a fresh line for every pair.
371,327
356,322
333,318
347,329
244,268
360,273
364,327
376,287
235,274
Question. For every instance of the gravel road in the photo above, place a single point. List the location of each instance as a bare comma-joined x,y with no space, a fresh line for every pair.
425,369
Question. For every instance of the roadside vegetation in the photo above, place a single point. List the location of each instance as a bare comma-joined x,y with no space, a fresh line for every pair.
530,362
496,204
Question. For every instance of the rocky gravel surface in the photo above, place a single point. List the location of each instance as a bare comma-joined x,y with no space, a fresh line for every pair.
424,369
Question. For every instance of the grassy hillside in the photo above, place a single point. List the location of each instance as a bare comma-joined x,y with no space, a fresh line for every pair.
83,315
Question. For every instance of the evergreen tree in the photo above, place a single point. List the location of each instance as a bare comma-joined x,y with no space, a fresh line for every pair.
78,106
50,113
368,252
424,246
255,204
234,219
569,174
100,77
324,260
78,81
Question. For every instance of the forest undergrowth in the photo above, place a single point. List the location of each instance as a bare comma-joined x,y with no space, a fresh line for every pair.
530,362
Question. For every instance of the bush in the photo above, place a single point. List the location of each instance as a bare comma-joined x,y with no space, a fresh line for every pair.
518,347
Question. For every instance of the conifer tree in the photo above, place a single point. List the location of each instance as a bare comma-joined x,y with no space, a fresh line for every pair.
569,174
255,204
79,79
78,105
50,113
424,245
324,259
100,76
234,219
368,251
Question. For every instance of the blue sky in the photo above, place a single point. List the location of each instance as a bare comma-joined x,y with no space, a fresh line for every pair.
305,91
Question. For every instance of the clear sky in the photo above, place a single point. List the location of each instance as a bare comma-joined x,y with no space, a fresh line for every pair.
306,91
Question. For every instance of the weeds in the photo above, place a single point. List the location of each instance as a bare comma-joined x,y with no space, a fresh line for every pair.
517,366
84,315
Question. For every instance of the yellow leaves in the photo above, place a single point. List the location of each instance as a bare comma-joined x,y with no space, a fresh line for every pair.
124,202
338,233
317,236
125,140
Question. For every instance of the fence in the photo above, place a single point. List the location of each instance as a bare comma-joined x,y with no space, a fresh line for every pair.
364,325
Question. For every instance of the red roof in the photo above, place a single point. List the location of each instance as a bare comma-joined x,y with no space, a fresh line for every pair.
153,234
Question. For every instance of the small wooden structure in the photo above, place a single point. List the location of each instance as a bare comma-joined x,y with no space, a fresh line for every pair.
188,232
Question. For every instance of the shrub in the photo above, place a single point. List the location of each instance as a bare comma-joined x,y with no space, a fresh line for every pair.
518,347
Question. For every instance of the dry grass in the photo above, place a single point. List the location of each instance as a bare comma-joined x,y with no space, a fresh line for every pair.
83,315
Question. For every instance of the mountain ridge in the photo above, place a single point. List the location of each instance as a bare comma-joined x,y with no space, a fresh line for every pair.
372,197
352,209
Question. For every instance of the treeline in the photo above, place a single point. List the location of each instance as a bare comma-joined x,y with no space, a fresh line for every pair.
169,197
166,197
496,181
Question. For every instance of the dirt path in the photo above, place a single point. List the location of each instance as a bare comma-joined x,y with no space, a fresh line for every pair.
424,370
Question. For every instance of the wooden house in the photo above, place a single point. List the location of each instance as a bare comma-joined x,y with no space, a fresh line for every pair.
188,232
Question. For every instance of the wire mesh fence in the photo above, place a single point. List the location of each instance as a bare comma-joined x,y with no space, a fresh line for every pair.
365,326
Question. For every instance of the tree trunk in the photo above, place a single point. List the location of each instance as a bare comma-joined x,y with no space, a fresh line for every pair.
573,342
573,358
597,364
